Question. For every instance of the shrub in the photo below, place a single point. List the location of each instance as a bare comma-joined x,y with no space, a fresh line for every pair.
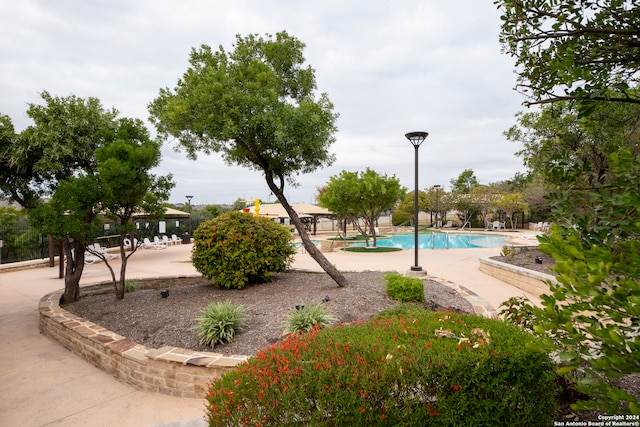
418,370
403,288
304,318
219,322
130,285
508,251
238,248
400,218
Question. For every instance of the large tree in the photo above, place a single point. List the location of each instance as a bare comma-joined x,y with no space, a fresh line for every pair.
573,50
127,187
558,138
257,106
361,195
90,164
15,173
591,164
57,153
464,182
510,203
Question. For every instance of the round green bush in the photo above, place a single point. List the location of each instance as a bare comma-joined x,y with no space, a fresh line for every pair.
238,248
400,218
404,289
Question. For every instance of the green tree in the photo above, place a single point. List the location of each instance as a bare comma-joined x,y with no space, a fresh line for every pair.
558,138
212,211
57,153
257,106
16,170
361,195
465,182
535,194
127,186
586,51
92,164
467,206
485,197
591,164
406,204
72,214
593,312
465,203
510,203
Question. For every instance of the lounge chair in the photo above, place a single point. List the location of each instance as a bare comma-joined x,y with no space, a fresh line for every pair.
449,224
146,243
97,250
89,258
175,239
166,240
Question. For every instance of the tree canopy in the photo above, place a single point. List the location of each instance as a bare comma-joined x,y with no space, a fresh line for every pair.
558,139
90,163
365,195
464,182
567,50
591,165
127,186
256,105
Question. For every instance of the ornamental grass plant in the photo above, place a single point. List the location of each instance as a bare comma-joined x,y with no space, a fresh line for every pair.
306,317
423,368
220,322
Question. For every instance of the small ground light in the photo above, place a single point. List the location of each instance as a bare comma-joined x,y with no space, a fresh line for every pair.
164,293
538,260
299,306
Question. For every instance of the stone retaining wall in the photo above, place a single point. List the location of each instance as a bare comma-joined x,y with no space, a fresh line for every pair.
530,281
168,370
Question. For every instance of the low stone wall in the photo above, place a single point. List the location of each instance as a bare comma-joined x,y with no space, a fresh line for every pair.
530,281
168,370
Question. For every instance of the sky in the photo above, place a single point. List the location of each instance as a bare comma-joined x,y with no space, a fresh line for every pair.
389,67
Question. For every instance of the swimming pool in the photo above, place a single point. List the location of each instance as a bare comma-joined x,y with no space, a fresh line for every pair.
441,241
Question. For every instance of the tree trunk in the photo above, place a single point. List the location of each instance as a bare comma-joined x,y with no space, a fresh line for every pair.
315,253
374,235
73,271
120,288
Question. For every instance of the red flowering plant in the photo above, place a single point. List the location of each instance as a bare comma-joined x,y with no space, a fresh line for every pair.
406,367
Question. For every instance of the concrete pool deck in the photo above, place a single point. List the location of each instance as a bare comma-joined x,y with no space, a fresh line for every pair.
46,385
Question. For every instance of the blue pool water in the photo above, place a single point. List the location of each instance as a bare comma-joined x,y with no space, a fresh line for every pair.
441,241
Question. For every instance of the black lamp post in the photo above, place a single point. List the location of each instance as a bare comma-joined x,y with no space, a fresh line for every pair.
189,201
416,139
437,187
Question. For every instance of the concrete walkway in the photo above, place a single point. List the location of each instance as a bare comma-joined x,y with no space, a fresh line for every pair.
43,384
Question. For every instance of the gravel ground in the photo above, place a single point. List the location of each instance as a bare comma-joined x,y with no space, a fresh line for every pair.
147,318
526,258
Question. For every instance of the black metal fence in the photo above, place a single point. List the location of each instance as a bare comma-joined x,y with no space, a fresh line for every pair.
24,243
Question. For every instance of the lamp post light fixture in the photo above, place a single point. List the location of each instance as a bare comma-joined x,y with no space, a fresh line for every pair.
416,138
437,187
189,201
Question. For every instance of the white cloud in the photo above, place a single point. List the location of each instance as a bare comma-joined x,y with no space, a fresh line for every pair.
389,67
